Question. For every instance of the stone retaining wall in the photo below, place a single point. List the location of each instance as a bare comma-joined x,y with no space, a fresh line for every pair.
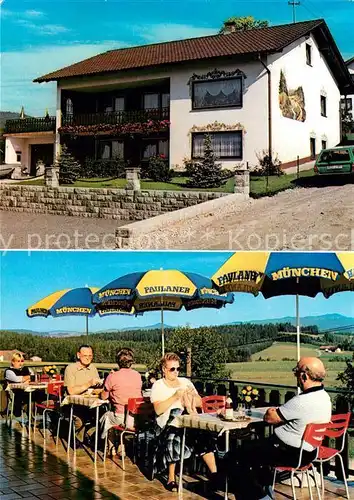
119,204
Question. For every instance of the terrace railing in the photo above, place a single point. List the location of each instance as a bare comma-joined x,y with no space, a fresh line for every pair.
115,117
21,125
269,395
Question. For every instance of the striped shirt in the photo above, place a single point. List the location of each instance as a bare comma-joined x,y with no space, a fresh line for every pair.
312,406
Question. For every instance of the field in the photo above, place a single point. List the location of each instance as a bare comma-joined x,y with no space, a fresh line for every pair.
277,371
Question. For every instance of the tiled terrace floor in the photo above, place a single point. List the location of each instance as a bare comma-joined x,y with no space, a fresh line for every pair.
29,470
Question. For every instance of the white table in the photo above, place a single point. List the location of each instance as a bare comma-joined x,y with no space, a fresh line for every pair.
212,423
29,387
90,402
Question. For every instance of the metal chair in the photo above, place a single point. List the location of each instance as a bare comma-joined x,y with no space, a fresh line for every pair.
137,408
10,408
336,429
54,389
313,435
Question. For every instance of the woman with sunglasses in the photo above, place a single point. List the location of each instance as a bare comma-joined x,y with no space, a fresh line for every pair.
17,373
170,396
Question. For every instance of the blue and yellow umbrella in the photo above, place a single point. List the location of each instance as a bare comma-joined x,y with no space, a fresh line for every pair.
72,302
161,290
287,273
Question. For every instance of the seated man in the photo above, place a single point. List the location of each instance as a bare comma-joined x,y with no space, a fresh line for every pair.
17,373
255,461
79,377
118,388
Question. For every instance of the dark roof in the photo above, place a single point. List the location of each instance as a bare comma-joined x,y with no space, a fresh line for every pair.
349,61
249,43
255,41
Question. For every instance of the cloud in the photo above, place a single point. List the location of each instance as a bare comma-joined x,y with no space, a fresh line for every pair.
42,29
33,13
155,33
21,67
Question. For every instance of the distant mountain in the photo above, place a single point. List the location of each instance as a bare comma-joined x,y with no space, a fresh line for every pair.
324,322
156,326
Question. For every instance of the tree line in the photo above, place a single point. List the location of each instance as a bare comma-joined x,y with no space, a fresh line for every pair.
240,341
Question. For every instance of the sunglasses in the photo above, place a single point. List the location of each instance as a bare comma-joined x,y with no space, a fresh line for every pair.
174,369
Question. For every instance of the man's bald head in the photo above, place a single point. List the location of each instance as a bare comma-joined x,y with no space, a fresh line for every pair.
313,367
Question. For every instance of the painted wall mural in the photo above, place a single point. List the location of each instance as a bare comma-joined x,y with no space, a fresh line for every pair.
291,101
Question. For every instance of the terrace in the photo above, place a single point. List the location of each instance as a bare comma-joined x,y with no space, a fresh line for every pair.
34,468
28,125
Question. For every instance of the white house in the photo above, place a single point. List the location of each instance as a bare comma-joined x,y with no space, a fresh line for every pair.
348,100
270,89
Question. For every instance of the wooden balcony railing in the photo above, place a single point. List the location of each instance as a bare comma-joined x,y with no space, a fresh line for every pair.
114,117
21,125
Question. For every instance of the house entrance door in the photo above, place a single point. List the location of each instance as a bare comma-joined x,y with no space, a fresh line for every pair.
43,152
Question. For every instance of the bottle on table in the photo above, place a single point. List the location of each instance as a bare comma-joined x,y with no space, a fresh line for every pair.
229,411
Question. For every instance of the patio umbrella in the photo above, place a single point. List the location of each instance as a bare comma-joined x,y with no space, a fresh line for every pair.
287,273
72,302
161,290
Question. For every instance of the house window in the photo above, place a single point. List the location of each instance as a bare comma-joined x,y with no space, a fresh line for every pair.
323,105
226,145
165,100
155,147
308,54
151,101
223,93
69,107
313,147
346,103
119,104
109,150
18,156
324,144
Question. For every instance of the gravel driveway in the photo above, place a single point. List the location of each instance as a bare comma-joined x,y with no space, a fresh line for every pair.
312,218
59,232
303,218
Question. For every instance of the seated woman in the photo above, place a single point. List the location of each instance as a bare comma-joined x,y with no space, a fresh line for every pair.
170,396
17,373
118,388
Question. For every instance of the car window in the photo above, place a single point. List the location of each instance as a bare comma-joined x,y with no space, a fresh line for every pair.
335,155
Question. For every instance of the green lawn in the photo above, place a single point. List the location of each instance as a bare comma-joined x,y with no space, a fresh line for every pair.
277,371
258,185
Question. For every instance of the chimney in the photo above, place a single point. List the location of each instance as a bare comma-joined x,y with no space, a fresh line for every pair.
229,27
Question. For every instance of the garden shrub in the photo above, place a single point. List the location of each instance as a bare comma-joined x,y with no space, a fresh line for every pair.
157,169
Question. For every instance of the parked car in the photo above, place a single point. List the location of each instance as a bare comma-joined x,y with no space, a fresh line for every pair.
338,160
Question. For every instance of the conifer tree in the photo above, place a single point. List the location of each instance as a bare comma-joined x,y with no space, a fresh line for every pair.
207,172
69,168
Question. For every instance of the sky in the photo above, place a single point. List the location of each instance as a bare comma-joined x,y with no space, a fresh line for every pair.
39,36
27,276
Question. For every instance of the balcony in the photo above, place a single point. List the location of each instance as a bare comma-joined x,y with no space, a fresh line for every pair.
26,125
116,117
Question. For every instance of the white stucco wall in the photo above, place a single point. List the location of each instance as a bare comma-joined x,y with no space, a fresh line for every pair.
252,116
13,144
291,137
351,71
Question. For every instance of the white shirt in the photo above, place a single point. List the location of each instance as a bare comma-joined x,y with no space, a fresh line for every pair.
161,391
311,407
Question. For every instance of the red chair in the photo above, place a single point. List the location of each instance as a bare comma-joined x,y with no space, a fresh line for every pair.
137,408
313,435
336,429
54,390
211,404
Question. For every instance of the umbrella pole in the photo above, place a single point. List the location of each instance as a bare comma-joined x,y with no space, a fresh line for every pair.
162,332
297,328
87,329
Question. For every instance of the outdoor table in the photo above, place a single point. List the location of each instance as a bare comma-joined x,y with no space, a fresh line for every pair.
212,423
28,387
89,401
